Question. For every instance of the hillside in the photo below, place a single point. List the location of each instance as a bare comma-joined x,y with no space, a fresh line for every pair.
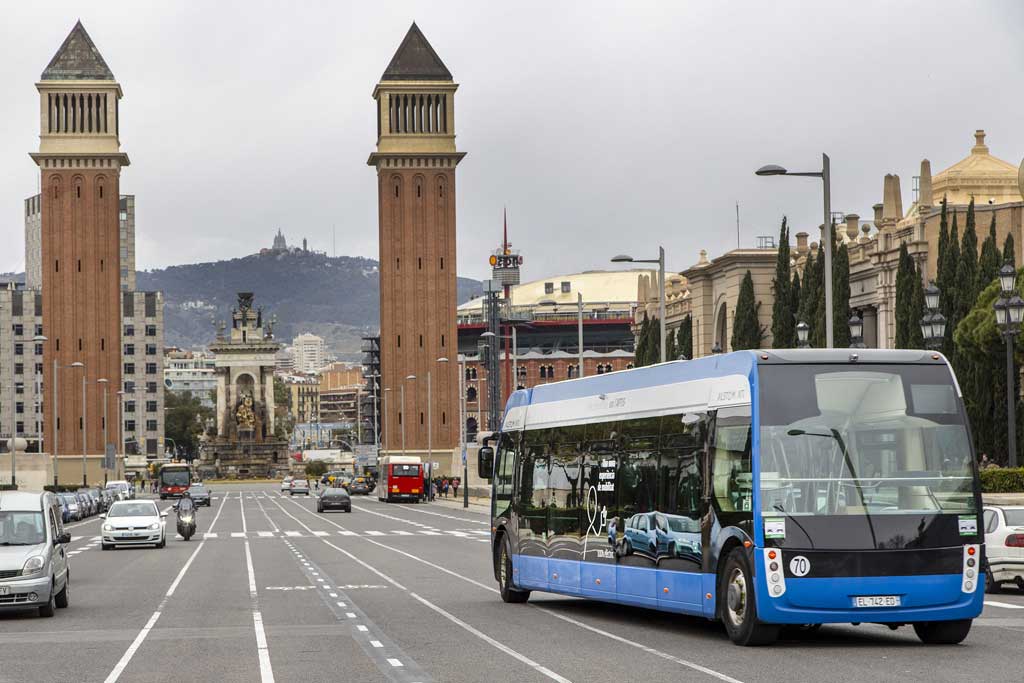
334,297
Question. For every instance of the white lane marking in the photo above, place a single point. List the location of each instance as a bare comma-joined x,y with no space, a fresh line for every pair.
374,533
238,534
394,662
262,650
241,506
439,514
341,604
491,641
320,533
507,650
119,668
266,534
399,532
345,532
1005,605
333,595
217,516
376,643
362,628
431,533
350,615
209,535
293,533
393,518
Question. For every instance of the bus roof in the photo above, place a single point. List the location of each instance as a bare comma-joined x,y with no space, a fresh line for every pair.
676,386
402,459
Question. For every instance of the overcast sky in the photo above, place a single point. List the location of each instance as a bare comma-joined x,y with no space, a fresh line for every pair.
603,127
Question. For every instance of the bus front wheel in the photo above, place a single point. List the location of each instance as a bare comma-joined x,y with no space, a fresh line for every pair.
738,606
508,593
942,632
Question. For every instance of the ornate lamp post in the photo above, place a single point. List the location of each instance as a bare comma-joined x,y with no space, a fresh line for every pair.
933,324
802,330
856,332
1009,310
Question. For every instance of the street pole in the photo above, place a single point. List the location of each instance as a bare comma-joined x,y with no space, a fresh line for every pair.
1011,410
104,432
579,330
401,413
376,414
120,422
462,429
53,446
661,304
515,361
85,430
430,425
14,427
384,415
827,239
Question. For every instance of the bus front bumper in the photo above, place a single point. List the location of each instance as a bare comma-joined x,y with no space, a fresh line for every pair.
928,597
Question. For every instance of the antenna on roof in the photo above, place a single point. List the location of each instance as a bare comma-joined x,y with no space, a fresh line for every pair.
737,225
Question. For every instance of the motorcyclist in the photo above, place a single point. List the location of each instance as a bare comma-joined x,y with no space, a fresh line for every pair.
185,505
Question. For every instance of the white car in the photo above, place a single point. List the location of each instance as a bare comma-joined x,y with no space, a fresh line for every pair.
299,486
133,522
1004,546
286,484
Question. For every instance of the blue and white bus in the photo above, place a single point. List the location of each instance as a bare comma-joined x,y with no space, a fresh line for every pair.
764,489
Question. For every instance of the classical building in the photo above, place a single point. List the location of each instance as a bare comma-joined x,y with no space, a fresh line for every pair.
547,333
309,353
303,397
245,445
80,161
415,162
873,247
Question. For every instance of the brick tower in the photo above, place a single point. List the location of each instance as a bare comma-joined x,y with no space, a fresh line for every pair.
415,162
80,160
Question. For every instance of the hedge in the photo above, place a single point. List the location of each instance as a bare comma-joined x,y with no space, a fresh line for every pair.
1002,480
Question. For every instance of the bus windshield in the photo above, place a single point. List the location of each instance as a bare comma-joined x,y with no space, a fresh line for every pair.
174,477
863,440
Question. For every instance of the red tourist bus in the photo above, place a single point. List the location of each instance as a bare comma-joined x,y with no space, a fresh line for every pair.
175,478
401,477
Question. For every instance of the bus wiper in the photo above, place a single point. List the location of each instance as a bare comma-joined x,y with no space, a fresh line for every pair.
779,508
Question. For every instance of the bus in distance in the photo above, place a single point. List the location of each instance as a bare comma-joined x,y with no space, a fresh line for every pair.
762,489
401,478
175,478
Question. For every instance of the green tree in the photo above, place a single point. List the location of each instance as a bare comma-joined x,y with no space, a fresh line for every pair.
905,271
809,294
841,297
967,268
783,325
671,352
747,332
990,261
916,337
948,301
686,337
642,352
794,300
185,420
1008,252
316,469
943,242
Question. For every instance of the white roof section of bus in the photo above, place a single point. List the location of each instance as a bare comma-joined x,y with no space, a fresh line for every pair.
402,459
652,401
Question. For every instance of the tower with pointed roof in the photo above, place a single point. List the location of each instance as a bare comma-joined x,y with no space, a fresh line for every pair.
415,161
80,161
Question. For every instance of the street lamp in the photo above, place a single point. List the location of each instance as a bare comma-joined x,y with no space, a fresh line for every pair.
825,175
802,331
1009,310
120,423
384,410
624,258
85,423
104,382
856,332
933,324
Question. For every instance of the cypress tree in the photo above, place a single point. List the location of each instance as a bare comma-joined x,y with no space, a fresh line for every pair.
943,243
783,326
990,261
746,330
904,299
1008,253
654,342
948,301
915,338
794,301
671,352
841,297
966,269
685,344
640,355
808,292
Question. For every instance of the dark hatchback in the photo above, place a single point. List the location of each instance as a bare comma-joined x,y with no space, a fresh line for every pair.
334,499
200,494
360,485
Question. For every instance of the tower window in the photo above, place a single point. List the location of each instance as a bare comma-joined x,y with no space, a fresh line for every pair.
101,265
421,341
398,263
56,266
419,191
78,192
442,263
396,190
58,343
79,343
399,341
399,417
440,190
444,418
79,265
419,262
421,418
442,341
103,344
101,192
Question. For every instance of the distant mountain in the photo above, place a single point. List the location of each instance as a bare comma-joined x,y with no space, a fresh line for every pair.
336,298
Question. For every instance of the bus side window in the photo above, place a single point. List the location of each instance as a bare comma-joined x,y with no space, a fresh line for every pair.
733,481
504,469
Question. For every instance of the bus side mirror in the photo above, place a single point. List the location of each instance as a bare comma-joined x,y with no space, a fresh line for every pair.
485,462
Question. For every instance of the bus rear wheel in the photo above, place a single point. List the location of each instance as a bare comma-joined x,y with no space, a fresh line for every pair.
942,632
738,606
508,593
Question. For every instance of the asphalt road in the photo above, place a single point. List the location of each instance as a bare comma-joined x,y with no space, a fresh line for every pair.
271,590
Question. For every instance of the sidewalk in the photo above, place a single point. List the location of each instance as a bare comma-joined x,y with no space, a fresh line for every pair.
480,504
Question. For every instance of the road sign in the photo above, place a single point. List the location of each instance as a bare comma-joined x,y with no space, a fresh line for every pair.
110,457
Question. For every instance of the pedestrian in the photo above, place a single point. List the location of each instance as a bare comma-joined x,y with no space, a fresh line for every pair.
455,488
444,486
433,490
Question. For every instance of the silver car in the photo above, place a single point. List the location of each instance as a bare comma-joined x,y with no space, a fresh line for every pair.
34,571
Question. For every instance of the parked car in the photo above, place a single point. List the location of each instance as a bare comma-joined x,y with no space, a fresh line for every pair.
1004,546
334,499
65,509
133,522
34,568
286,483
75,511
86,504
125,490
95,505
299,486
200,494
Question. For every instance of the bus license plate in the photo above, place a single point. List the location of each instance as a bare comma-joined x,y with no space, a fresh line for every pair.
876,601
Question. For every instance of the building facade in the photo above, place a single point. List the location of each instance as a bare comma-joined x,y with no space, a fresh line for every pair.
191,372
21,365
142,318
309,353
303,398
80,162
415,162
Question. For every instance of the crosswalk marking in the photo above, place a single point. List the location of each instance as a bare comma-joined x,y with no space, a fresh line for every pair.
293,533
321,533
237,534
210,534
372,533
265,534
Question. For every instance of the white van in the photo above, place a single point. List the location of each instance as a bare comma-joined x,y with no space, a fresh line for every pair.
34,571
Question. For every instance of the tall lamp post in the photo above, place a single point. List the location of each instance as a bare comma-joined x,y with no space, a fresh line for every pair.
933,324
104,382
802,332
120,423
625,258
462,426
856,324
1009,310
825,175
384,417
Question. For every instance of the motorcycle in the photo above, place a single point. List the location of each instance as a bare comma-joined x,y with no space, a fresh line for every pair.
186,523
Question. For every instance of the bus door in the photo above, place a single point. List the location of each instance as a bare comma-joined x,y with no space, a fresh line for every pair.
532,507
